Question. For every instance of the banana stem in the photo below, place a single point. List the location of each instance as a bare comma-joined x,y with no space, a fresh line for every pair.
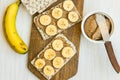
18,2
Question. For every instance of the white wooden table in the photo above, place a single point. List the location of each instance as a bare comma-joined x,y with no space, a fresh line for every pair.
93,63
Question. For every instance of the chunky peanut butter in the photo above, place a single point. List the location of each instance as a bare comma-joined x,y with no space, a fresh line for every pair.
92,30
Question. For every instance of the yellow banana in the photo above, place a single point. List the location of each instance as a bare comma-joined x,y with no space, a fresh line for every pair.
10,29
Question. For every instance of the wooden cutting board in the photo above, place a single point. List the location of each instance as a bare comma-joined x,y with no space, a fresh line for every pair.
37,44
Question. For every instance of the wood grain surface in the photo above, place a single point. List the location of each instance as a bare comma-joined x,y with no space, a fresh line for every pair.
37,44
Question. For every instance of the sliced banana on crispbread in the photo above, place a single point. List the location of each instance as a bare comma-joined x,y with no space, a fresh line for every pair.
57,44
49,54
68,5
73,16
51,30
62,23
58,62
57,13
48,70
39,63
45,20
67,52
64,15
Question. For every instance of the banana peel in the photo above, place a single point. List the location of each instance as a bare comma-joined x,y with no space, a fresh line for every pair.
10,31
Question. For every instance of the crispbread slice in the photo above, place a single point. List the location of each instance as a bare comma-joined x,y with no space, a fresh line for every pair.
67,43
39,6
41,28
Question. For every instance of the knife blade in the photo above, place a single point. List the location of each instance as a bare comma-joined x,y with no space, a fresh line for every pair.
100,19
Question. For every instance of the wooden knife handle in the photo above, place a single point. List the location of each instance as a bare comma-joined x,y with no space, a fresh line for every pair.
111,56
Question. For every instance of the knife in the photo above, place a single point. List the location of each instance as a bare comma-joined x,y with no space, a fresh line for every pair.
101,22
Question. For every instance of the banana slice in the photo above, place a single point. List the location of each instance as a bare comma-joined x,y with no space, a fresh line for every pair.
68,5
57,45
49,54
73,16
51,30
57,13
39,63
67,52
45,20
58,62
62,23
48,70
